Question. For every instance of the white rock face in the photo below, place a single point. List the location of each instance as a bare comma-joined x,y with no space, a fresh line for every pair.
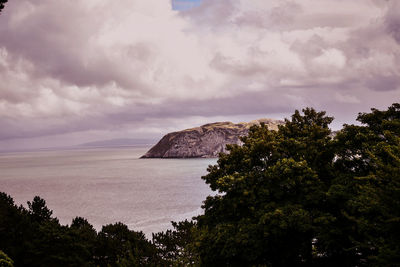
206,141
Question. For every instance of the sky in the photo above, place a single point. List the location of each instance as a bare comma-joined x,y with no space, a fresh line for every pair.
185,4
87,70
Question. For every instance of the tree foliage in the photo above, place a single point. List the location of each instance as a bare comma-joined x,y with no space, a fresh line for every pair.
301,197
5,261
32,237
175,247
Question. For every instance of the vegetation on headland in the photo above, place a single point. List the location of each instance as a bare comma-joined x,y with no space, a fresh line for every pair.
298,196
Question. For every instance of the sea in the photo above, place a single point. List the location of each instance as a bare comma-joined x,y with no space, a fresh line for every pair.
107,185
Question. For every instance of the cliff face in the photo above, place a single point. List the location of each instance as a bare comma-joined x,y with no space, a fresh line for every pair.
206,141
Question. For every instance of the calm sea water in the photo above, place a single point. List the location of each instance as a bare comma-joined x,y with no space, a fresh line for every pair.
107,185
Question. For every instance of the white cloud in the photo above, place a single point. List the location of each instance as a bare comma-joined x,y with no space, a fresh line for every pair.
331,58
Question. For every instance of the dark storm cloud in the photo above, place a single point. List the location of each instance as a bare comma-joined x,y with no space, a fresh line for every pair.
383,83
392,20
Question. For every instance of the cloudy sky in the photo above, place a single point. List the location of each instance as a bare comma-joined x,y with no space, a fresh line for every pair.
86,70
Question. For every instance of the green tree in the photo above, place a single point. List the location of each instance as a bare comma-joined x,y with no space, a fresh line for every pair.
175,247
301,197
38,210
15,228
119,246
370,153
5,261
52,244
32,237
270,192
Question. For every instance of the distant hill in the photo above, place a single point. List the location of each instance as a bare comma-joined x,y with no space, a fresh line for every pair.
119,142
206,141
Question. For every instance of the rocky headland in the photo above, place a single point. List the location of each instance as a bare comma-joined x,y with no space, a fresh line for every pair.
206,141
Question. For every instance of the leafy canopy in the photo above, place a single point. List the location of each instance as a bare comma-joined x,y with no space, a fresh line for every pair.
301,196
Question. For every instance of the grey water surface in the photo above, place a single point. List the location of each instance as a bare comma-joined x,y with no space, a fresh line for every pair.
108,185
